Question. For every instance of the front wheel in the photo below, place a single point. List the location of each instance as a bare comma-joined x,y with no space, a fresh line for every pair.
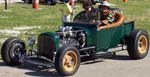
67,60
138,44
12,51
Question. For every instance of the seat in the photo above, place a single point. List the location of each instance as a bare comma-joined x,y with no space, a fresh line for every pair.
119,19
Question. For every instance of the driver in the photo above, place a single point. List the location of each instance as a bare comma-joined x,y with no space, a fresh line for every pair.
88,14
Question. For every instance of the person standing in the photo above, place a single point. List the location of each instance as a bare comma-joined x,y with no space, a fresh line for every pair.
66,13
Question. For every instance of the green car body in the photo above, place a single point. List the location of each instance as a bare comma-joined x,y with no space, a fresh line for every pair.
103,39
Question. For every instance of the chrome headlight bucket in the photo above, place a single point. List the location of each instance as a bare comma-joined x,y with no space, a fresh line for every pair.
31,40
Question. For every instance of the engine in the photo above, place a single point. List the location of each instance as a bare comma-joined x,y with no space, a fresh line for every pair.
70,36
66,35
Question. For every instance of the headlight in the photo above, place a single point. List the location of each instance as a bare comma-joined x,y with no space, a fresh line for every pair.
60,28
31,40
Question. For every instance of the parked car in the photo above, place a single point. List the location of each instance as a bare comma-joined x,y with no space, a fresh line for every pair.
64,48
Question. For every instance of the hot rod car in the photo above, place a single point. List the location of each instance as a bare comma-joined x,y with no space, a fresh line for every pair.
64,48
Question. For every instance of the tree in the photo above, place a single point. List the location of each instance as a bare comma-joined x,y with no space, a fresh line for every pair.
6,5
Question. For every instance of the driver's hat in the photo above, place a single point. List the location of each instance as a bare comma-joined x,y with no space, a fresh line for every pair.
87,5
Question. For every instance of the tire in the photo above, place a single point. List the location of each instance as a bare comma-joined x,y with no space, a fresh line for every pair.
65,55
138,44
12,51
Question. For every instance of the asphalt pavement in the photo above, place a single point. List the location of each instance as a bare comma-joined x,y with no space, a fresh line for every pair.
118,66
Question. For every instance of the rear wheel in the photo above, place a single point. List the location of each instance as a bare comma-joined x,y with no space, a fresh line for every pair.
12,51
138,44
67,61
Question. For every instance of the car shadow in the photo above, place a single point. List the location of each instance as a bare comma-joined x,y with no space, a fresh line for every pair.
2,64
119,57
92,62
39,71
35,70
45,72
87,60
